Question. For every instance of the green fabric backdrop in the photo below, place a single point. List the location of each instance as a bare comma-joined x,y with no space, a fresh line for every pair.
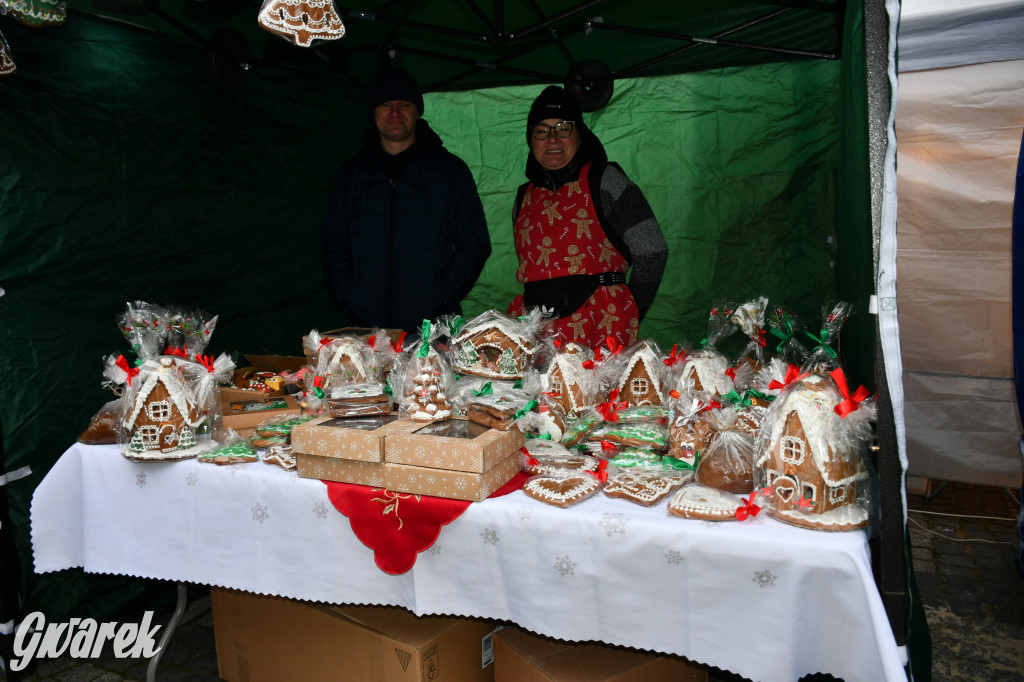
125,175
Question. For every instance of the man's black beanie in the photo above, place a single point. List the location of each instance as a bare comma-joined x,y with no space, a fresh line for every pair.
394,83
554,102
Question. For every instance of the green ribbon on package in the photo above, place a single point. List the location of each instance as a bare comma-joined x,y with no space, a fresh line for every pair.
455,325
785,334
526,408
821,343
736,399
425,346
542,436
486,389
678,464
758,395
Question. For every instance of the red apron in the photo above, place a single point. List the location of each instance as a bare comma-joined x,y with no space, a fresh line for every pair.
557,234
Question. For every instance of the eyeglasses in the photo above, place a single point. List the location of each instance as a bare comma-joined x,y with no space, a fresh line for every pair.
542,131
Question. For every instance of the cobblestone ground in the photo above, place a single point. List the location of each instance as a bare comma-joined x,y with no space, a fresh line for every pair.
962,546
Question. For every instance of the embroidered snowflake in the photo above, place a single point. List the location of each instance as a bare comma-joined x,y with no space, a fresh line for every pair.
674,557
525,512
192,479
320,509
565,566
435,549
260,513
613,523
235,468
140,479
490,536
764,578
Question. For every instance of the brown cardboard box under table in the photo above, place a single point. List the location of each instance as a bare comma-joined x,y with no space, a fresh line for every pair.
351,438
456,444
271,638
520,656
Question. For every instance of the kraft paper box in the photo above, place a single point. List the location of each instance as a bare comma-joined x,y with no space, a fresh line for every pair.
252,418
456,444
456,485
261,638
353,438
520,656
340,470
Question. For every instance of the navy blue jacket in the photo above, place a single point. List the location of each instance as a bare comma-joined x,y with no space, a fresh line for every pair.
397,252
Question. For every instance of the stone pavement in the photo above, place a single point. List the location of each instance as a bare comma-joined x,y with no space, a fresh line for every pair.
962,546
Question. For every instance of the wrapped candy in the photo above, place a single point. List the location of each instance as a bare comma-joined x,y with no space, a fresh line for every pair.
810,459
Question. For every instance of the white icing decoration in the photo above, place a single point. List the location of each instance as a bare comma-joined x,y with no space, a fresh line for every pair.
705,501
650,361
710,367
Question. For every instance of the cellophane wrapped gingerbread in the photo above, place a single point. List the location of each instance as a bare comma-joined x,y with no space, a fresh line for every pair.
749,317
569,379
824,356
495,346
426,380
637,373
810,458
783,326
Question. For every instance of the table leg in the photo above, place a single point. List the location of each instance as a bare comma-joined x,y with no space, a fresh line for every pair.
169,629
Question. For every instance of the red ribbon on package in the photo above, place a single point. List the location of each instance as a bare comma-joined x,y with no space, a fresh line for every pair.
608,445
397,347
849,402
761,341
601,474
731,373
324,341
372,341
588,364
608,410
673,358
206,361
398,535
674,393
712,405
749,509
792,374
171,350
614,346
122,362
530,459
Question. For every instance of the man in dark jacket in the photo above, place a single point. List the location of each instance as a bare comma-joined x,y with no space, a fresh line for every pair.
405,237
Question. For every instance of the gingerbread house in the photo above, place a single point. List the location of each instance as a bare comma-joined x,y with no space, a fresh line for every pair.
639,382
496,347
812,468
346,361
570,384
705,372
164,415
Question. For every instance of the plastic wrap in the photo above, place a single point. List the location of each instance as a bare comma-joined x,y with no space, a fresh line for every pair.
637,373
491,403
750,318
646,487
567,490
233,449
782,342
538,419
426,380
705,375
189,330
824,356
645,434
363,399
144,327
810,459
276,430
728,463
102,427
570,380
556,463
495,346
690,434
579,429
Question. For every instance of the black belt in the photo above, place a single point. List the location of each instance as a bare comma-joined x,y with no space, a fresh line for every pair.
565,295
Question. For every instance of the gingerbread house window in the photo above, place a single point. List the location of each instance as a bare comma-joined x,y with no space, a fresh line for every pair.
556,385
150,436
837,494
809,492
159,410
792,449
639,385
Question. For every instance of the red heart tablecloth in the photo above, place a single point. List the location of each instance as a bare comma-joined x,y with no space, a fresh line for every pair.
398,526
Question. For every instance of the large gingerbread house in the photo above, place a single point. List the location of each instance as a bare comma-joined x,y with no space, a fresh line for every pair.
493,346
570,384
639,382
808,460
164,415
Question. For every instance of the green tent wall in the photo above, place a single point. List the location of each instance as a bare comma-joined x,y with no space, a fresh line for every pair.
126,174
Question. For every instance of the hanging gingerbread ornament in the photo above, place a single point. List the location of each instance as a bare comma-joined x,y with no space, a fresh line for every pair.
7,65
36,13
302,21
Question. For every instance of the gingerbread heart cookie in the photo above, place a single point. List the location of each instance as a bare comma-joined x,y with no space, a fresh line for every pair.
701,502
562,492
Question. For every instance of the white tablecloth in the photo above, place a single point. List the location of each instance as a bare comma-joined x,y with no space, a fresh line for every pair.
760,598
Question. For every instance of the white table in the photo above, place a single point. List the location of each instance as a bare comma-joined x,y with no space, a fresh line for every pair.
760,598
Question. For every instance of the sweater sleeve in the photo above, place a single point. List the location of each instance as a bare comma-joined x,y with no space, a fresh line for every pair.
632,219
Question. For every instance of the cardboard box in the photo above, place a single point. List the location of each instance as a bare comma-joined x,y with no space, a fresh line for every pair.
457,444
272,638
249,420
353,438
456,485
276,363
520,656
340,470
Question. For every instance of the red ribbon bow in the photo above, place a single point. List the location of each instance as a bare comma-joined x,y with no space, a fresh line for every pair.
609,409
749,509
324,341
588,364
760,339
206,361
849,402
397,347
558,344
171,350
714,404
318,381
614,346
372,341
601,475
673,357
607,445
530,459
122,362
731,373
792,374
